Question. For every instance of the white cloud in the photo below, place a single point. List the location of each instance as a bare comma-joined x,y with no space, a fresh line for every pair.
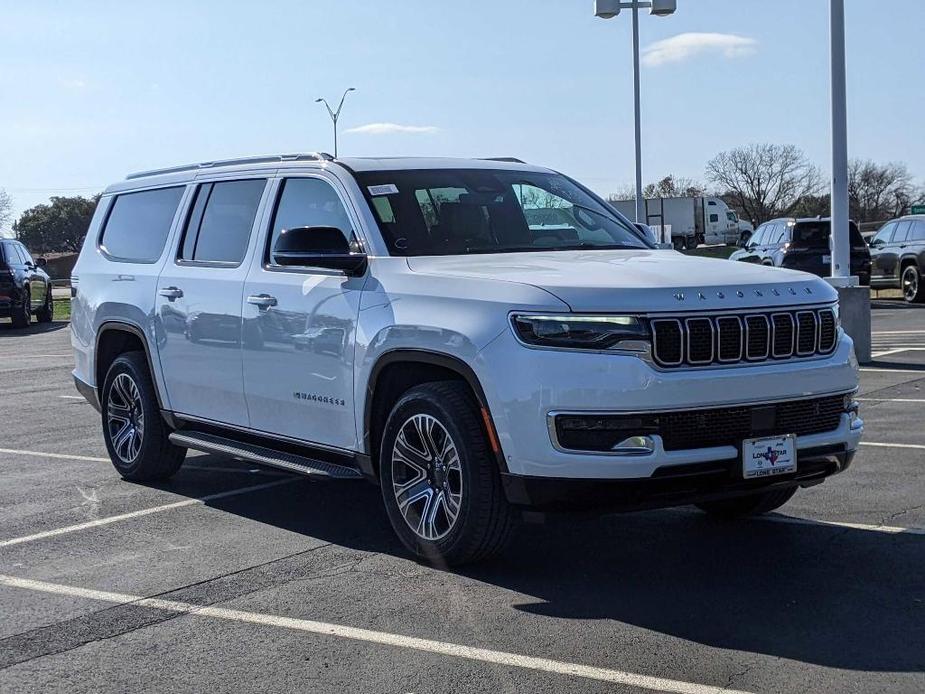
392,129
684,46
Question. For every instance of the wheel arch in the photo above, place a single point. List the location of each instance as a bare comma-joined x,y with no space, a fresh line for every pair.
387,382
114,338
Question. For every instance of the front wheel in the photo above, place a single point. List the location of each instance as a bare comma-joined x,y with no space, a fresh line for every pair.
135,434
22,314
752,505
913,292
440,482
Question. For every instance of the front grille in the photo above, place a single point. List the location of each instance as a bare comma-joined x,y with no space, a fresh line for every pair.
753,337
722,426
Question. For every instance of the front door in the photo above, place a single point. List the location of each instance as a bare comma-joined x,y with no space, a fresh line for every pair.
199,294
300,324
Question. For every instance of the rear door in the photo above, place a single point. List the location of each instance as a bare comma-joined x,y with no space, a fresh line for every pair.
199,295
300,324
891,252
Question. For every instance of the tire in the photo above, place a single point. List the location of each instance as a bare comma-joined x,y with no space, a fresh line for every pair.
911,285
743,506
46,314
483,519
129,400
21,316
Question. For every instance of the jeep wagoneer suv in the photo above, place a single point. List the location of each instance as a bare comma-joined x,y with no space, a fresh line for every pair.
474,336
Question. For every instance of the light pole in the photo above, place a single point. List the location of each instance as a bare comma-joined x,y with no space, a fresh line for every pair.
608,9
335,114
853,300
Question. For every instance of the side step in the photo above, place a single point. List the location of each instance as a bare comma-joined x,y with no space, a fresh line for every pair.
210,443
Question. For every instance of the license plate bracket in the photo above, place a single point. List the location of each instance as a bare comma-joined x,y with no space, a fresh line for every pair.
769,456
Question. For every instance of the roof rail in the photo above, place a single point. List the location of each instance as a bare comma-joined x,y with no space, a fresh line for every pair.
259,159
511,160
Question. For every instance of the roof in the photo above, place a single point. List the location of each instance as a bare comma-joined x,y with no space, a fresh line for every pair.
404,163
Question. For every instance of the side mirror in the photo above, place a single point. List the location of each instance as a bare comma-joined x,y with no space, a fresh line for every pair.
876,243
41,262
325,247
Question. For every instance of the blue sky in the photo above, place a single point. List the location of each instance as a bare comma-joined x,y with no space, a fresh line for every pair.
90,91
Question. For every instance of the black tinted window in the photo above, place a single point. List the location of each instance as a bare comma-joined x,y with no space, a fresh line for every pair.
220,224
816,234
138,224
918,231
308,202
902,232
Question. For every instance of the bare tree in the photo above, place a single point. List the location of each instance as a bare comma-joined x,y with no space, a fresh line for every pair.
765,180
670,186
6,208
878,192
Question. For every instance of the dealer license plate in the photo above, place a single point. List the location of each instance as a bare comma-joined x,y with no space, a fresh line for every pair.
769,456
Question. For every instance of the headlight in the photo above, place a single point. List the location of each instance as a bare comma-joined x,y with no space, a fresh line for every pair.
569,331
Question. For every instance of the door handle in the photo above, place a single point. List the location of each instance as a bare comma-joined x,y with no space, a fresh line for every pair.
262,300
171,293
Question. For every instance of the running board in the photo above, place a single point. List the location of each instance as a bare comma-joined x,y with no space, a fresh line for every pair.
210,443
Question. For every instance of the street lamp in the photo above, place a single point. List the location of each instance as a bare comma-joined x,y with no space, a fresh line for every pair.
335,114
608,9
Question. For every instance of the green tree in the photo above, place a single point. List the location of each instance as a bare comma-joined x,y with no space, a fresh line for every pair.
58,227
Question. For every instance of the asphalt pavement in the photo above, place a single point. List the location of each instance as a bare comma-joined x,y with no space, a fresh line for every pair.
234,578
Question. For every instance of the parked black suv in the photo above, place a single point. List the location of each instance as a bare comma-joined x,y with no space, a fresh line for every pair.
803,244
25,288
898,257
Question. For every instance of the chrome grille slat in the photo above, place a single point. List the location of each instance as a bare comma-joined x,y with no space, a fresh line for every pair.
754,337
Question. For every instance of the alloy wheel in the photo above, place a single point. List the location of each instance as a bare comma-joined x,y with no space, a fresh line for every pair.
910,283
125,418
427,477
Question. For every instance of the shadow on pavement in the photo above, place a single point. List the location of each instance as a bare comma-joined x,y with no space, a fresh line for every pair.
824,595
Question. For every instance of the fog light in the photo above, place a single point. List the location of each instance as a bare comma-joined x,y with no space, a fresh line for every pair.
635,445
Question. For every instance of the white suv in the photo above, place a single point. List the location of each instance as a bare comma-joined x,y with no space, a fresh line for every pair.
474,336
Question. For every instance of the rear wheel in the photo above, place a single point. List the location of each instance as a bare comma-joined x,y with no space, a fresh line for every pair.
135,434
440,482
752,505
46,314
911,284
22,314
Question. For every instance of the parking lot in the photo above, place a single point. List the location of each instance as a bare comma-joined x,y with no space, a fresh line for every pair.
235,578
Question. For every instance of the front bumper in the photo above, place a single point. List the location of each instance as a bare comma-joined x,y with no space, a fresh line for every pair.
671,485
525,386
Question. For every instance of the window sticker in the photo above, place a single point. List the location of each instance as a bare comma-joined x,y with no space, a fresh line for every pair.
384,189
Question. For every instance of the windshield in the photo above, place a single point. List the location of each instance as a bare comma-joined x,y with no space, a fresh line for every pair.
463,211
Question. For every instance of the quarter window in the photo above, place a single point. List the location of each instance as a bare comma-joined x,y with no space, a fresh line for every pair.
221,221
138,223
308,202
918,231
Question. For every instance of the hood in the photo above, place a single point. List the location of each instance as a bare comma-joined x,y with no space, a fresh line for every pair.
638,280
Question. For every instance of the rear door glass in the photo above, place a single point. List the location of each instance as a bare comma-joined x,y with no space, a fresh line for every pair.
902,232
221,221
918,231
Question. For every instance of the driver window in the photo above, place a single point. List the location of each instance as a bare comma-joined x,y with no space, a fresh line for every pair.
308,202
885,234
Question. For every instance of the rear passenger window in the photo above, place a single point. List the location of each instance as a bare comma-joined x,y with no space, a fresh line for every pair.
918,231
221,221
138,223
902,232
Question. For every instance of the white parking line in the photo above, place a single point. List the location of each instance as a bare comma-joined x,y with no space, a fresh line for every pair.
72,397
916,446
383,638
889,529
898,332
62,456
912,372
890,400
143,512
896,350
